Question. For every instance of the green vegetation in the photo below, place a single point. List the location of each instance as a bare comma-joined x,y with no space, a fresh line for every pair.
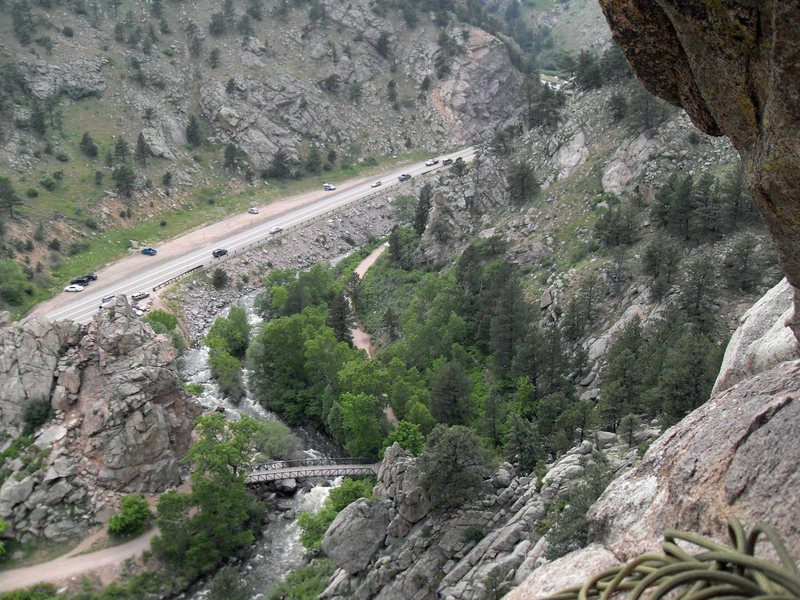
3,527
306,583
314,526
218,517
227,340
134,514
36,413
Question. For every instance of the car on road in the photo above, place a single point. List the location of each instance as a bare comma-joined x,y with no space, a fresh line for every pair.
149,251
82,280
404,177
431,161
219,252
276,229
377,184
328,187
105,299
252,210
139,296
447,161
73,288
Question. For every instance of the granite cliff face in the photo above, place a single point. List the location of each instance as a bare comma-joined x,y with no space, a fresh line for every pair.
122,420
734,66
733,456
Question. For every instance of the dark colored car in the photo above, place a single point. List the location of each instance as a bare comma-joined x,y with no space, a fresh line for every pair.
149,251
219,252
91,276
404,177
82,280
447,161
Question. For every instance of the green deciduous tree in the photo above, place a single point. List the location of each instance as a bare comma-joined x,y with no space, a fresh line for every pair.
364,422
408,435
200,529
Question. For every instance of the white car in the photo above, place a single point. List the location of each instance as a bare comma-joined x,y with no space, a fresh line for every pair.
376,184
73,288
252,210
431,161
328,187
276,229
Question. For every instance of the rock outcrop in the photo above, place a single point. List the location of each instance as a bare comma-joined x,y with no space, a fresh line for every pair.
735,68
122,419
392,548
734,456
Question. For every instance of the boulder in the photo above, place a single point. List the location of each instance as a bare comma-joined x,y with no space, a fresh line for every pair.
13,493
573,569
356,534
762,339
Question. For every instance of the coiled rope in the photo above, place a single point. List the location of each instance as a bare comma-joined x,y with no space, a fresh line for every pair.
717,571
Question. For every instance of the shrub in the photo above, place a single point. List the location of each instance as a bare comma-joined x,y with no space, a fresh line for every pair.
167,319
134,513
35,414
48,183
67,31
195,389
91,223
219,279
306,582
31,192
76,248
62,156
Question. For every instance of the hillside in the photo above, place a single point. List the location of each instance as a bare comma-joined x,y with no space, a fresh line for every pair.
125,121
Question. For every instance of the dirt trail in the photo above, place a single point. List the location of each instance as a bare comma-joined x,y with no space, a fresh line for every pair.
361,339
105,565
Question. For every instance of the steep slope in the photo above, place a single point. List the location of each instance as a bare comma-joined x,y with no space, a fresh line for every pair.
735,68
122,116
112,417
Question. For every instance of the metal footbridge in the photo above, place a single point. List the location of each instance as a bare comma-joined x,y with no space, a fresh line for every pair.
310,467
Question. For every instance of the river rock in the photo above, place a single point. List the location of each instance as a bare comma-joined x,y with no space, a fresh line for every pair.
356,534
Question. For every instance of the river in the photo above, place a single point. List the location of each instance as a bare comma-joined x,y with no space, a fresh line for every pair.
279,550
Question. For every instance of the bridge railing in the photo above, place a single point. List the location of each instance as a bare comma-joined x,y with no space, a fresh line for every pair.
308,462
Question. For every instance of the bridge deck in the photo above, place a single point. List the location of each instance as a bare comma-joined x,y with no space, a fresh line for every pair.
304,471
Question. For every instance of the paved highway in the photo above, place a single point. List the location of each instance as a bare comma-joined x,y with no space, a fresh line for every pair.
142,273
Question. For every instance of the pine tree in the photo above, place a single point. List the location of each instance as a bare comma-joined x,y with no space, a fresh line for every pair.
339,319
121,150
450,394
142,151
124,179
521,183
422,208
230,156
87,145
313,161
8,197
194,136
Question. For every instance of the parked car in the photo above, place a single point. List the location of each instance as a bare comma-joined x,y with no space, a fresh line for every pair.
431,161
82,280
329,187
252,210
377,184
91,276
73,288
219,252
276,229
149,251
139,296
404,177
447,161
